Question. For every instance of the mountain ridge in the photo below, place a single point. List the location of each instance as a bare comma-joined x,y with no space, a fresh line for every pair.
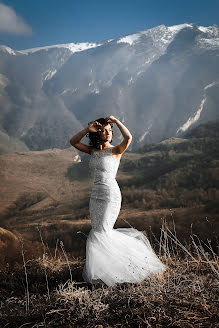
160,85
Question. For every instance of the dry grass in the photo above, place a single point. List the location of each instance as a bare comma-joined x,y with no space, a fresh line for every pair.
186,295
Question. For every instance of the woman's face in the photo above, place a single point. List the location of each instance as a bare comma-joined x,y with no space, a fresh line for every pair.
106,133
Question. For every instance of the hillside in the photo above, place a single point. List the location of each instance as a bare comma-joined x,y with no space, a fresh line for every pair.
176,179
50,292
10,144
178,172
35,180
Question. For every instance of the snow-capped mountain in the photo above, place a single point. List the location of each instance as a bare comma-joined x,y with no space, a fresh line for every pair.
160,82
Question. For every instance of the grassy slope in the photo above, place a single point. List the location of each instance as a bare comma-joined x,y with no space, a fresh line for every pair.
176,172
10,144
176,179
51,293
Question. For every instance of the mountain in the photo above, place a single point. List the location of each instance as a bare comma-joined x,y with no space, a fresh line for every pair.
160,83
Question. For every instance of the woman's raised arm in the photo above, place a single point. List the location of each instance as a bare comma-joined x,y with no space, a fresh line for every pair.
75,140
119,149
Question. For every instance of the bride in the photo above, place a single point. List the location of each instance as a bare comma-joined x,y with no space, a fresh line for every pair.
112,255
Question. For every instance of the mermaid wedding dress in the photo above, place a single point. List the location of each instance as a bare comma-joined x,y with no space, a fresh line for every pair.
113,255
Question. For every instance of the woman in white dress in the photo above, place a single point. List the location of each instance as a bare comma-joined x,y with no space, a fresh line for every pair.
112,255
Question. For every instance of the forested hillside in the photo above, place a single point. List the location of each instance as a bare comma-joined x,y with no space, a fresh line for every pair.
176,172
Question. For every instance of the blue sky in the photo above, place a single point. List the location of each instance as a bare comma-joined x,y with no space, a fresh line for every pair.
33,23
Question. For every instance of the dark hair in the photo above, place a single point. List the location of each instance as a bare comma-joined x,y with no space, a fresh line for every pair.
95,136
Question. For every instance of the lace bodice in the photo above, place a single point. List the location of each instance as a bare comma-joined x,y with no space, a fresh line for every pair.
105,199
103,165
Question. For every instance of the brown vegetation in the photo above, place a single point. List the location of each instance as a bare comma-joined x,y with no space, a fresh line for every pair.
49,292
9,248
34,181
14,248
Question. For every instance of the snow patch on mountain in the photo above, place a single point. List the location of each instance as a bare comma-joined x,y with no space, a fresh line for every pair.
203,29
160,34
211,31
193,118
130,38
145,133
210,37
49,74
176,28
64,91
69,91
3,81
196,116
94,90
171,31
212,43
73,47
210,85
8,50
130,81
143,136
168,33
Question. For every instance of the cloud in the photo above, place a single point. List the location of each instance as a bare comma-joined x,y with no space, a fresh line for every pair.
11,23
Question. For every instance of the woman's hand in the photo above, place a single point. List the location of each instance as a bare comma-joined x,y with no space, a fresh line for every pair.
94,126
111,119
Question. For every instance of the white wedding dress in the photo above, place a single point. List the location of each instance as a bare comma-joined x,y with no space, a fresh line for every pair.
113,255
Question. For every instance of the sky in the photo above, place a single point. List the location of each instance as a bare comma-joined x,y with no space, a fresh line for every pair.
28,24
